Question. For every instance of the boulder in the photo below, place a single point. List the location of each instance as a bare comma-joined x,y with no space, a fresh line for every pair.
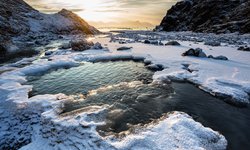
244,48
123,48
175,43
97,46
81,45
155,67
194,52
147,42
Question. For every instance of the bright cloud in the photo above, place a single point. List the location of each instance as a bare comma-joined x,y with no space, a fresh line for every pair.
109,10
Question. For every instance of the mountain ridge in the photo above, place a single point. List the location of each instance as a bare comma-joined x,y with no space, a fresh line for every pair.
217,16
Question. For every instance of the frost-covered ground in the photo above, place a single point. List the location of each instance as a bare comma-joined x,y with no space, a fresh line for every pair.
37,120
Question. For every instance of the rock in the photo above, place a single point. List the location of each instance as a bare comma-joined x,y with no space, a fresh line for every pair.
155,67
22,24
217,16
97,46
123,48
242,48
194,52
202,54
160,43
175,43
212,43
81,45
66,46
210,56
218,57
147,62
47,53
221,57
155,42
147,42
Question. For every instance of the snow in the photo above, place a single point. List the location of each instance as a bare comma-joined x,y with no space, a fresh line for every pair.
168,134
228,78
48,129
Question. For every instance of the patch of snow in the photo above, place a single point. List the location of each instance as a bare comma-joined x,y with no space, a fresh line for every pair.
176,131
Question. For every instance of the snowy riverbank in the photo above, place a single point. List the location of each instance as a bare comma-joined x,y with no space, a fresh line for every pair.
37,120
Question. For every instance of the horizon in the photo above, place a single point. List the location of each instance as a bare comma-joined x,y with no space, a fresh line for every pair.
120,12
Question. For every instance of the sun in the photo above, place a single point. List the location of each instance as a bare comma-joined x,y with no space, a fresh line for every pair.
95,10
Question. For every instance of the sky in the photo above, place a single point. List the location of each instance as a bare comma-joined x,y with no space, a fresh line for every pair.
150,11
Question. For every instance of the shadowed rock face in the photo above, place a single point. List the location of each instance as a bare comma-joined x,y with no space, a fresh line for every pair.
218,16
17,17
21,24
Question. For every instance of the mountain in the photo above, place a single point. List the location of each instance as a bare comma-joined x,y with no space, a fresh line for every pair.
21,24
123,24
218,16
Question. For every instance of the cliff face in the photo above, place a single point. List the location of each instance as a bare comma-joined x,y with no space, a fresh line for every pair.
218,16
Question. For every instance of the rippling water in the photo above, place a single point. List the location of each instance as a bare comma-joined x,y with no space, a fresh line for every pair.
126,87
89,76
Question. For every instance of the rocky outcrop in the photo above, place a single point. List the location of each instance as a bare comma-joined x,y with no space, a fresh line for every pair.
218,16
22,26
17,18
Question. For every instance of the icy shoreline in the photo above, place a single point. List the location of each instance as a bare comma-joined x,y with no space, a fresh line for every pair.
50,129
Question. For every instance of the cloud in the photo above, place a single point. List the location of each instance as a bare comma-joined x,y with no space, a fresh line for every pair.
151,11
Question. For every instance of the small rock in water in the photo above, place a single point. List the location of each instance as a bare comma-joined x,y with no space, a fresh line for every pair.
175,43
147,62
212,43
155,67
81,45
123,48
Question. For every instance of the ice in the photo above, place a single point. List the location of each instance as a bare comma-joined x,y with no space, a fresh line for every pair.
177,131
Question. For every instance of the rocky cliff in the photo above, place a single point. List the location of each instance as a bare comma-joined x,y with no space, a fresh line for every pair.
218,16
21,24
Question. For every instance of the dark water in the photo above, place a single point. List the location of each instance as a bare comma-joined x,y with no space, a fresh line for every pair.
133,103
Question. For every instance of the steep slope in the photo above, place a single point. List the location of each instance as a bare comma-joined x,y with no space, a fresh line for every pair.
21,26
219,16
17,17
